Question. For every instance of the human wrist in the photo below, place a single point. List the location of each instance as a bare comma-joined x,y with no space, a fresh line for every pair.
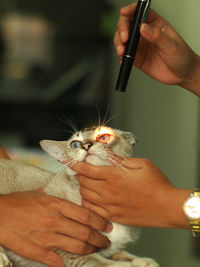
192,82
175,214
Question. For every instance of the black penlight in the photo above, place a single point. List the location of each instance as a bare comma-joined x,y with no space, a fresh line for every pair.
132,44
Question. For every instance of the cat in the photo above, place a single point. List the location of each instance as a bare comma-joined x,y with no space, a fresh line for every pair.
90,145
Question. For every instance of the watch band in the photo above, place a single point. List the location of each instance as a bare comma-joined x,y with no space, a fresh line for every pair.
195,224
191,209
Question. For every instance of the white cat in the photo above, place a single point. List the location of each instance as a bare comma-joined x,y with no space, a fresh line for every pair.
88,145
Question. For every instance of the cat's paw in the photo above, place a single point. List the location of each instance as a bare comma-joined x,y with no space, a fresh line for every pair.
144,262
4,261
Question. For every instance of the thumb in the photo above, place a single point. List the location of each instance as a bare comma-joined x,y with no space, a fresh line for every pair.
159,38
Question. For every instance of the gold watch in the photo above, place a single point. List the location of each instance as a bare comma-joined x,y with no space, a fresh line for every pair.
191,209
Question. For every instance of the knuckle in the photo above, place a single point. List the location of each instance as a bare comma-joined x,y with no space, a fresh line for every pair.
108,214
121,28
83,248
86,234
157,34
54,203
86,216
82,191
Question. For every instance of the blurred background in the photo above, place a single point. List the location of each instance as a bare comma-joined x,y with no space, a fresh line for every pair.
57,61
53,64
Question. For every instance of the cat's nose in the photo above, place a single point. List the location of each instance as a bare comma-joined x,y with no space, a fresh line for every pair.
87,145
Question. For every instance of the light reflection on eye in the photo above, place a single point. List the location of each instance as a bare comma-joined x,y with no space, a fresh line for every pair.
75,144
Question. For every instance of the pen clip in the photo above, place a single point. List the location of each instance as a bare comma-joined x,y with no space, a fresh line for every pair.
146,10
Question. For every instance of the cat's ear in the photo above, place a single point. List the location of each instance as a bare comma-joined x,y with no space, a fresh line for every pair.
56,149
129,137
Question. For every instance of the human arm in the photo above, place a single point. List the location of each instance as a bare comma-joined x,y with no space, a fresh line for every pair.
35,225
139,194
162,53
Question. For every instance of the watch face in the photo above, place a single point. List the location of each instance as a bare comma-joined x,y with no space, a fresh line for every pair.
192,207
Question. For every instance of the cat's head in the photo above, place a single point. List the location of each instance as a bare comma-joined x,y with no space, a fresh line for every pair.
91,145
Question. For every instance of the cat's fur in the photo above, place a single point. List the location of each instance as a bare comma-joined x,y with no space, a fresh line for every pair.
87,145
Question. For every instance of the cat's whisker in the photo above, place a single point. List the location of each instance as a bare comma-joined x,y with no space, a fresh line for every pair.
71,123
75,125
126,161
99,116
103,123
117,164
125,168
67,131
114,116
70,162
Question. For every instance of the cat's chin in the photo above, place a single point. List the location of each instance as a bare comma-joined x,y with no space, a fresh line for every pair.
95,160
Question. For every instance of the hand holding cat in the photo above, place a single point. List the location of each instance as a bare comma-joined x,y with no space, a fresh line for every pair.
41,224
136,194
162,53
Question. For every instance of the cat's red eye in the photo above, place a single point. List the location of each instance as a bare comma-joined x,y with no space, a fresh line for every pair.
103,138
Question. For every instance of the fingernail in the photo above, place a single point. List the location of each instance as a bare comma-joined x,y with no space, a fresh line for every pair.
146,29
108,244
120,50
109,228
123,35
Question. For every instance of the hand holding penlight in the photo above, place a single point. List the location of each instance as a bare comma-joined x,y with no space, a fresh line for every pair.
132,44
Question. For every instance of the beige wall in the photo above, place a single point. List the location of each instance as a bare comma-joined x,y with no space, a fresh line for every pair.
166,121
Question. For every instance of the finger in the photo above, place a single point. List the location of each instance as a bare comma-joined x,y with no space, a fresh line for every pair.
90,183
55,241
128,10
124,28
96,209
89,170
74,230
118,45
90,195
82,215
72,245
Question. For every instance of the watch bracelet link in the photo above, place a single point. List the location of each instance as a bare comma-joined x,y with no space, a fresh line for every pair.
195,229
195,225
196,192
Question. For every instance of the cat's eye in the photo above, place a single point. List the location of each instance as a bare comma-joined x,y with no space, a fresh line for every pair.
104,138
75,144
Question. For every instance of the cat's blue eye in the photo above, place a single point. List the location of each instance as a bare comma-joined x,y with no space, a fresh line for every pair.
75,144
